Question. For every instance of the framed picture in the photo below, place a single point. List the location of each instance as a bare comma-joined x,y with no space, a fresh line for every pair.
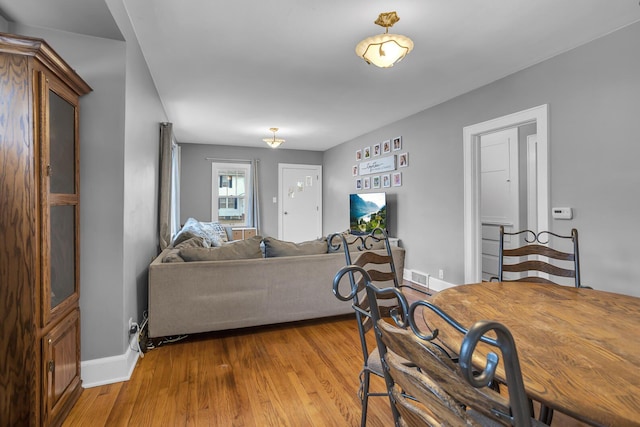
403,160
376,181
358,155
397,143
366,183
386,181
397,179
359,184
376,150
386,146
366,153
355,170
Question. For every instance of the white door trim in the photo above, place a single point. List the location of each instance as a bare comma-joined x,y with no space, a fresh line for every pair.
532,182
471,137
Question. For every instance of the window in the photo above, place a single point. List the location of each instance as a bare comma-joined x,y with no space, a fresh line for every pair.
231,194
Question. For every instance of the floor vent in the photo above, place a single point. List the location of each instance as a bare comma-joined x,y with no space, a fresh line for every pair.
420,278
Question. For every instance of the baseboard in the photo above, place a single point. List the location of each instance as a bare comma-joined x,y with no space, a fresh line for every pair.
430,282
109,370
439,285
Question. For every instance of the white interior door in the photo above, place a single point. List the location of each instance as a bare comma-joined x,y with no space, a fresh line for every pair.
472,195
499,190
300,202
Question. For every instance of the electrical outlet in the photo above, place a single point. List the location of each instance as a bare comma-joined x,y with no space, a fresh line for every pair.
133,326
441,274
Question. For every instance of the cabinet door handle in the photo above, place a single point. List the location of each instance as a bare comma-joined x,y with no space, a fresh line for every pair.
48,170
51,365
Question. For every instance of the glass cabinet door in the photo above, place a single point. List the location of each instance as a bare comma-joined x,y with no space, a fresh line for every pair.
62,151
60,219
63,253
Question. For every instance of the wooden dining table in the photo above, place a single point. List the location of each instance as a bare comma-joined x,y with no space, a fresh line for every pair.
579,349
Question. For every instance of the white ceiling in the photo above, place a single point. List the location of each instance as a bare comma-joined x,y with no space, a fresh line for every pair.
228,71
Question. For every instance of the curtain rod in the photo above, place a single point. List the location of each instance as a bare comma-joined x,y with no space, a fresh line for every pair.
231,160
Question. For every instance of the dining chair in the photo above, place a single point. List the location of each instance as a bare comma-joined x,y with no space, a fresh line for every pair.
427,388
535,260
378,268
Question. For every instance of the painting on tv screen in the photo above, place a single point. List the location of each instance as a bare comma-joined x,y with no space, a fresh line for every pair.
367,212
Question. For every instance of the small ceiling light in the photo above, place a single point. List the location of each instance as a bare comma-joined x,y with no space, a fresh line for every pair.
385,50
273,142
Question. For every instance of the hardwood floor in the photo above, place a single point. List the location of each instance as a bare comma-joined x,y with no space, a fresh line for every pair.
302,374
299,374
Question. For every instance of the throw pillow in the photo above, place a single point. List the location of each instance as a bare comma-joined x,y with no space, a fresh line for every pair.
215,231
276,248
208,233
240,249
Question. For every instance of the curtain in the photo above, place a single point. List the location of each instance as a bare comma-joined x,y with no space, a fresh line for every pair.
175,188
164,211
255,195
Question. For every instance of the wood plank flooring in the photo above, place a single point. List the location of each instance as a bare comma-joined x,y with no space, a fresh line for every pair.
298,374
302,374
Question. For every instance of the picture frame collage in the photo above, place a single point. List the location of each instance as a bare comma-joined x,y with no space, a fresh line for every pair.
375,159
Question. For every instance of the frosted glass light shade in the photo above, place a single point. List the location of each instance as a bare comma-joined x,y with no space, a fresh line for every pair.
384,50
273,142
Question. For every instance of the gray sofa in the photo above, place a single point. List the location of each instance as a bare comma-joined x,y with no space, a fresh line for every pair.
202,296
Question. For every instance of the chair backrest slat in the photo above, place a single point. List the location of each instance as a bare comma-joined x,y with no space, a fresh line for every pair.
537,256
539,250
429,402
430,359
539,266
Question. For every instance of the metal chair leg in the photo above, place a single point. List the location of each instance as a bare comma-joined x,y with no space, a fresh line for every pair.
546,415
364,395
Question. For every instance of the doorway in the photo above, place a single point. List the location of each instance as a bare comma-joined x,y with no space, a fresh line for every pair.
472,136
299,202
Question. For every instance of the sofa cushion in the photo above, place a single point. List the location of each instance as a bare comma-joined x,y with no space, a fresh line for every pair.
239,249
277,248
174,254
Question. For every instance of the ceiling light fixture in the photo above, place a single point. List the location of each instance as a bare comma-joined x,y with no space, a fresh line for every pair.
385,50
273,142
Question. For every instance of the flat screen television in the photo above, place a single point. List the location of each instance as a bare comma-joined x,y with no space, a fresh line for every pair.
367,211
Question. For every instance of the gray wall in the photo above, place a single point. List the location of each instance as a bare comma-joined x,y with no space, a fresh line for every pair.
143,114
195,185
593,94
118,180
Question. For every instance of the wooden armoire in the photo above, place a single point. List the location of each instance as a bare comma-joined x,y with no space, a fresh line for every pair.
39,233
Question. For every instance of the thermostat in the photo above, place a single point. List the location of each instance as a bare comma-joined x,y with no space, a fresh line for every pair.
562,213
